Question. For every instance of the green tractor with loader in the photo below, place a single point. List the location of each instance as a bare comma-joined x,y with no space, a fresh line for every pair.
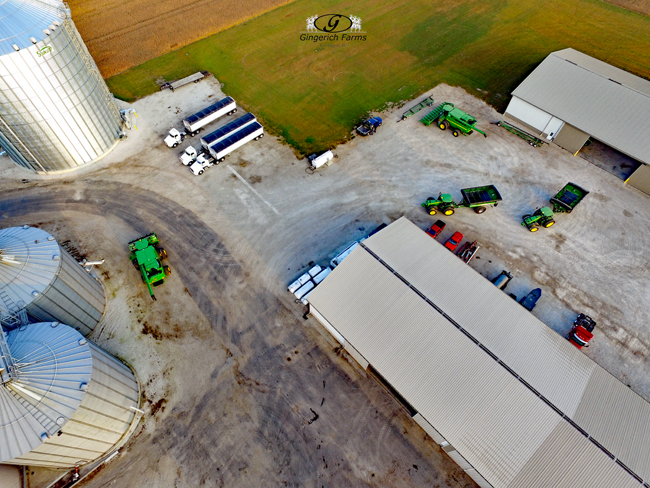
564,201
447,116
146,255
477,198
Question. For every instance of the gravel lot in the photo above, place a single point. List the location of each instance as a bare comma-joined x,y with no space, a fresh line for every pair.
241,390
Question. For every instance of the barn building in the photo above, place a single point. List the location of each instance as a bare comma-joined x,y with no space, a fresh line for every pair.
506,397
571,97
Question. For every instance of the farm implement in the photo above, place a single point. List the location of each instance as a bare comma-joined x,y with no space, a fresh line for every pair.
477,198
529,138
447,116
427,102
563,202
147,256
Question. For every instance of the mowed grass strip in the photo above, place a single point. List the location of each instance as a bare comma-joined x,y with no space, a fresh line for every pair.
312,93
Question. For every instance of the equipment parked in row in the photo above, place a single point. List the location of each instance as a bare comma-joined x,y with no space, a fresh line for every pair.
221,149
306,283
563,202
436,228
530,300
477,198
502,280
195,123
581,333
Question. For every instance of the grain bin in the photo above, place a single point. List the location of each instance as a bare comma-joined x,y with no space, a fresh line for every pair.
38,276
68,403
56,112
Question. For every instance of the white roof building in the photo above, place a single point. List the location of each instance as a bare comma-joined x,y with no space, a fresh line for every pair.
570,97
511,401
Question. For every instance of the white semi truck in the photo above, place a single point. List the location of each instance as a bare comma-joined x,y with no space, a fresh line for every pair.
220,150
194,123
191,154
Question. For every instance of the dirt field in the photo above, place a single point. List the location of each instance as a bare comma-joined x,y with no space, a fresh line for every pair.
641,6
241,390
120,35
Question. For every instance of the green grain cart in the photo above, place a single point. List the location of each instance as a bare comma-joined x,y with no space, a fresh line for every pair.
446,116
568,198
477,198
147,256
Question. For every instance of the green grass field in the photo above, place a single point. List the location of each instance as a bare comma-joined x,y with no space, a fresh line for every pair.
312,93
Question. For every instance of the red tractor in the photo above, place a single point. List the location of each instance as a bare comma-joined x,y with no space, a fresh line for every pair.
581,333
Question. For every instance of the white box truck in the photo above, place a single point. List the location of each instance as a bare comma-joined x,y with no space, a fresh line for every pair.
194,123
220,150
221,133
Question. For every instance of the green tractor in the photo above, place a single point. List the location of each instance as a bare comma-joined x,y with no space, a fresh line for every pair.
477,198
542,217
447,116
147,256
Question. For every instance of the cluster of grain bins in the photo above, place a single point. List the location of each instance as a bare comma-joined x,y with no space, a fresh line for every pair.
56,112
38,276
64,402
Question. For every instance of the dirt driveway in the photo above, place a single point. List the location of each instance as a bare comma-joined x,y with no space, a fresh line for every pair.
241,390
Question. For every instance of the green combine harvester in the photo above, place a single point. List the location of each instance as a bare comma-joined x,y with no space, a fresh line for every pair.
446,116
477,198
563,202
147,257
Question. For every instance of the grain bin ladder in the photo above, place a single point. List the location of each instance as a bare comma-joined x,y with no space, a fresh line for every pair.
427,102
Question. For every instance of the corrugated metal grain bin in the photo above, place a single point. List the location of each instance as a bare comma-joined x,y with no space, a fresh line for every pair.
56,112
37,275
69,402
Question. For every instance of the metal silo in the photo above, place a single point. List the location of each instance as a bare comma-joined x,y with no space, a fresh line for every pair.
41,278
56,112
66,402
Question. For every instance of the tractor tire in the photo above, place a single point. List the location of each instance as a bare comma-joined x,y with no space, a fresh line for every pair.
168,270
135,264
549,223
448,211
442,125
201,172
479,210
162,254
432,210
533,228
456,133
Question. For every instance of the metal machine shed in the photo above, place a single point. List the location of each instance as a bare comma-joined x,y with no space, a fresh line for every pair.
571,96
511,416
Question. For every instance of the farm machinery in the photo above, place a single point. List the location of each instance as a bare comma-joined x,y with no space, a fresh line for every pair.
581,333
477,198
147,256
447,116
542,217
563,202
